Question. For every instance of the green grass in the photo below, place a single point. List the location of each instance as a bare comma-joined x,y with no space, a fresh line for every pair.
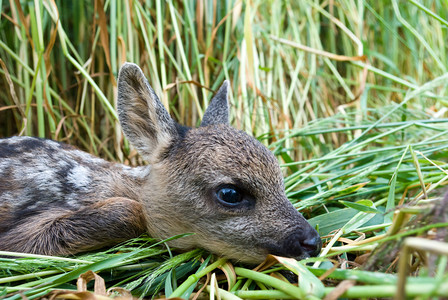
363,139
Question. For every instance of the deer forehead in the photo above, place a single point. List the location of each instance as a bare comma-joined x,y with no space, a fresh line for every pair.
222,153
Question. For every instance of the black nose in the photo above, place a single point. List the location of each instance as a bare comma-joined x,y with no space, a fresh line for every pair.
299,244
312,245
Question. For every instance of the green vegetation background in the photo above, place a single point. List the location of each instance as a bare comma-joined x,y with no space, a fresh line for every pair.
350,95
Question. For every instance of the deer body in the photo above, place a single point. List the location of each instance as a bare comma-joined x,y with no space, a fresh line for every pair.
63,192
214,181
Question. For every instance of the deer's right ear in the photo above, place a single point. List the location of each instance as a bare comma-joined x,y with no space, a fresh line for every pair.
218,110
144,119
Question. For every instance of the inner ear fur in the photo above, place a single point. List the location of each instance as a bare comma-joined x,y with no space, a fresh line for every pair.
144,120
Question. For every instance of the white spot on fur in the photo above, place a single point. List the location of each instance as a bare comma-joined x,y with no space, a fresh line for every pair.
138,172
79,176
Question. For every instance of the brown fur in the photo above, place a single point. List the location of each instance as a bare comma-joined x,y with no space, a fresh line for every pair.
63,232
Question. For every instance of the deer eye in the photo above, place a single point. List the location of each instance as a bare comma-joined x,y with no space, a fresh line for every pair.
229,196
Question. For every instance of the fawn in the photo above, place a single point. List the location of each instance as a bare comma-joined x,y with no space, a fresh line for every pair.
214,181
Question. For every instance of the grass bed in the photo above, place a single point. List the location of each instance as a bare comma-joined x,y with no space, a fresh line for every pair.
350,95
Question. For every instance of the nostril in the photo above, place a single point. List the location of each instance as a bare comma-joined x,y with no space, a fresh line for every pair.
312,245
